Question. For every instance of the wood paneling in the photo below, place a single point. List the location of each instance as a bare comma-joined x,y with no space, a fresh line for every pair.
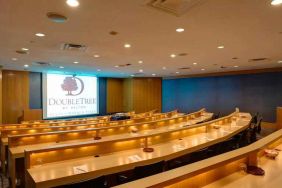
1,119
279,117
127,95
147,94
15,95
142,94
32,114
114,95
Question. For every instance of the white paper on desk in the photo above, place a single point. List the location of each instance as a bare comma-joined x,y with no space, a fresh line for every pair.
80,169
134,158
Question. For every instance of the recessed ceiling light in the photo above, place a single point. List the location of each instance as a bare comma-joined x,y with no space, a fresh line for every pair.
280,61
141,70
14,59
195,63
220,47
177,72
172,55
26,65
40,34
98,70
116,66
76,62
164,68
236,66
61,67
25,49
179,30
276,2
140,62
127,45
203,69
96,55
72,3
153,74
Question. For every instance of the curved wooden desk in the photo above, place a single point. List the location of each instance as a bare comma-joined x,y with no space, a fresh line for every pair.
4,133
43,171
17,144
174,176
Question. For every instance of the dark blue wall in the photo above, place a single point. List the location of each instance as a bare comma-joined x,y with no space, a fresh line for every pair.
35,92
252,93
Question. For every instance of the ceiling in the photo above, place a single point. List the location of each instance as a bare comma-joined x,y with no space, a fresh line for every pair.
248,29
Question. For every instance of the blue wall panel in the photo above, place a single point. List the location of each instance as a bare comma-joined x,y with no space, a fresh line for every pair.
253,93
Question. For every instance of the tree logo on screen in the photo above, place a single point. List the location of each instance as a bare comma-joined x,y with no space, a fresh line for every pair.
70,85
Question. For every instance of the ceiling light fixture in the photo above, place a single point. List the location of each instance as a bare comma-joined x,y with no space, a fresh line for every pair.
96,55
177,72
14,59
72,3
279,61
236,66
76,62
203,69
195,63
25,49
276,2
164,68
141,70
127,45
179,30
220,47
26,66
40,34
172,55
140,62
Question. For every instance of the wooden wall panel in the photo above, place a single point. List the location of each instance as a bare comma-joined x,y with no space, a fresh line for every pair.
15,95
147,94
114,95
127,95
1,119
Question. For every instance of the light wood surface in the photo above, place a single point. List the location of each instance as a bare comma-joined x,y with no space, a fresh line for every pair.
32,114
175,177
18,144
279,117
271,179
15,87
114,95
114,124
46,174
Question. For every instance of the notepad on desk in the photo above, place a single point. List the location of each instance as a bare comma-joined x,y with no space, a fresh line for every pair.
80,169
134,158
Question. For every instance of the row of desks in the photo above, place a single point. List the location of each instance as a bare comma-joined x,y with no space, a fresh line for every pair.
65,171
18,152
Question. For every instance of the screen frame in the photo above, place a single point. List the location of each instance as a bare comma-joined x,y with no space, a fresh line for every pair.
44,98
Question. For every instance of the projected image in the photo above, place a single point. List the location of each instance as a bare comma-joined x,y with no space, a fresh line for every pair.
69,95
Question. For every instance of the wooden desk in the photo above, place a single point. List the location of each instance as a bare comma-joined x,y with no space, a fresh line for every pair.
173,115
173,177
43,173
17,144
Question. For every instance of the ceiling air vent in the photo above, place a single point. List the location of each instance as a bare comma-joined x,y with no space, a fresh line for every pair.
184,68
43,64
74,47
176,7
258,59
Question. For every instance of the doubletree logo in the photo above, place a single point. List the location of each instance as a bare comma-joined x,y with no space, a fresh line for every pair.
70,85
